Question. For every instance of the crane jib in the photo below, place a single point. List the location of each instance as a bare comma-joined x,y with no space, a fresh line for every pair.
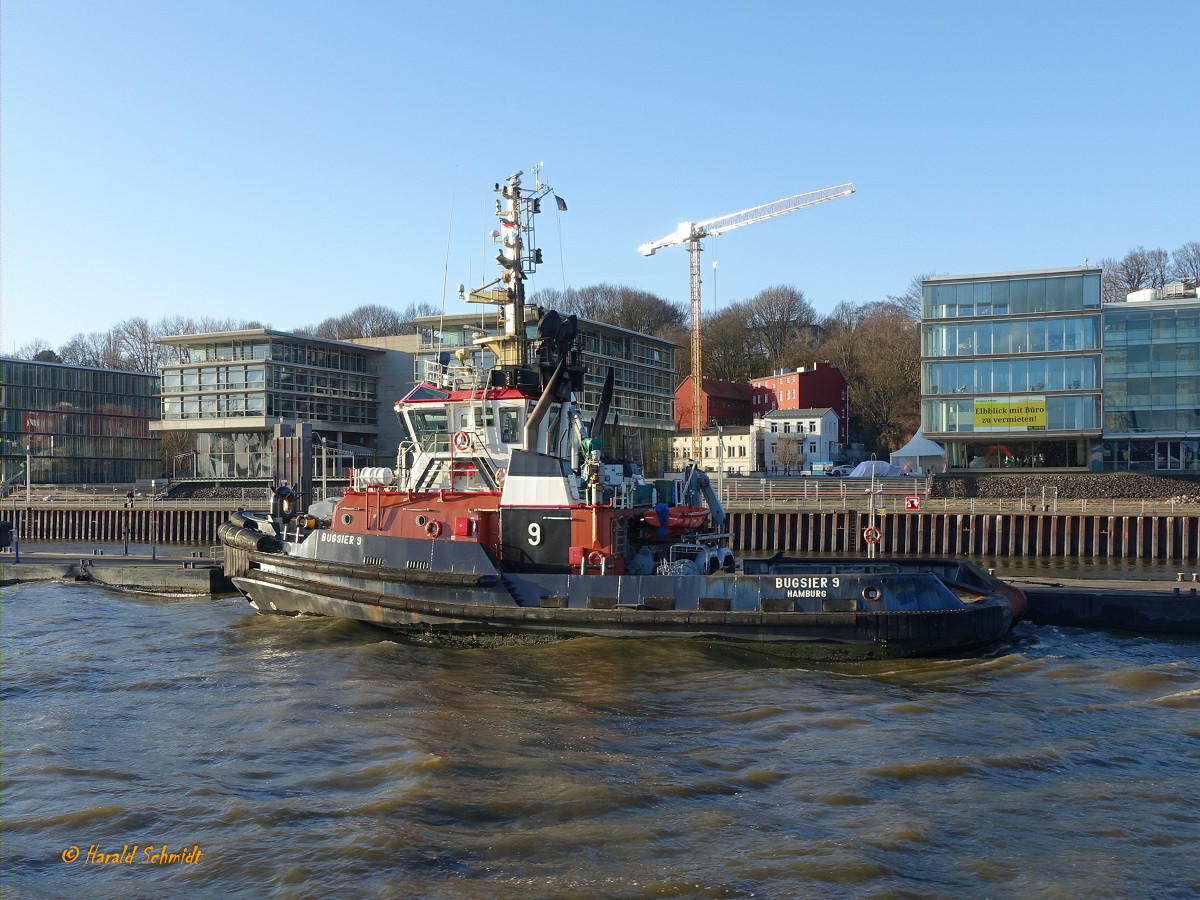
691,233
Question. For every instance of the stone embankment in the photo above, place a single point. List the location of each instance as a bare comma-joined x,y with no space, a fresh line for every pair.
260,495
1083,486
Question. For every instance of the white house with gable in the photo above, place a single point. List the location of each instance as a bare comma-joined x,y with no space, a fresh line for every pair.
793,440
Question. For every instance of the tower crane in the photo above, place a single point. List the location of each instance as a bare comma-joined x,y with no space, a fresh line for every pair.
692,233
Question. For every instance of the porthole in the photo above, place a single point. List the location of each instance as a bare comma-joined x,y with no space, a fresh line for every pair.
347,518
871,594
421,520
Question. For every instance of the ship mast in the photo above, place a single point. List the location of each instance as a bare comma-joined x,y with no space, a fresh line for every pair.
518,258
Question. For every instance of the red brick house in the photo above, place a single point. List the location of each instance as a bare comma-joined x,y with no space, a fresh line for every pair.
814,387
723,402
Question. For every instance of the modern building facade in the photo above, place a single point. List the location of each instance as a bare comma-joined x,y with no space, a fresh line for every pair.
1152,382
722,403
231,388
644,391
808,387
1011,372
77,424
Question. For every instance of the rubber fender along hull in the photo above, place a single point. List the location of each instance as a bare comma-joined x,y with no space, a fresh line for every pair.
859,635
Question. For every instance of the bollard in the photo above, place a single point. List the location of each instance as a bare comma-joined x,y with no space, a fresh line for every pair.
1179,576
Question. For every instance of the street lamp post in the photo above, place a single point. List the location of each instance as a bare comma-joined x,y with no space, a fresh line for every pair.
153,520
873,493
720,459
324,466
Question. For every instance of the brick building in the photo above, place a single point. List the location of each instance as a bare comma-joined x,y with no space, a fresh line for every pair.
815,387
723,402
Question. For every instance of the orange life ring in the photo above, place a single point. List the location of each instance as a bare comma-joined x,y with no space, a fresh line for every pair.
500,473
433,529
462,441
595,559
871,534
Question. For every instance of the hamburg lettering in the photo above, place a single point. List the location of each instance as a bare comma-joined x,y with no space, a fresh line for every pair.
807,586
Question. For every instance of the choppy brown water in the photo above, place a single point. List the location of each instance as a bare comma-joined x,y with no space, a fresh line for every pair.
306,757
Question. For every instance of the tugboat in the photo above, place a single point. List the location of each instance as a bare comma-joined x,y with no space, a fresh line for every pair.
505,517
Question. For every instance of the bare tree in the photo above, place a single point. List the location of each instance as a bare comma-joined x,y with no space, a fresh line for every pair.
839,344
177,325
789,454
1139,268
911,301
887,386
177,443
1111,287
32,349
370,320
137,343
682,339
1185,263
597,302
99,349
417,310
730,351
618,305
1159,263
877,347
780,317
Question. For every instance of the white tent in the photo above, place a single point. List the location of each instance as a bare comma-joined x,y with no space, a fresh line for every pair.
920,456
876,467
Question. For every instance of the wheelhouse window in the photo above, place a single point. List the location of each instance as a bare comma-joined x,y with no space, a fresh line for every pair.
510,424
429,428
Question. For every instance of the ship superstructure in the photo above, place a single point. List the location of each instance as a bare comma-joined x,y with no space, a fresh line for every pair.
504,513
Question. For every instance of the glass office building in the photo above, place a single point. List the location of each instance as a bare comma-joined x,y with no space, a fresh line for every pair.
77,424
1011,371
1152,383
231,388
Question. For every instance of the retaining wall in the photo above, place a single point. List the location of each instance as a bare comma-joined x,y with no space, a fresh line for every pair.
1096,536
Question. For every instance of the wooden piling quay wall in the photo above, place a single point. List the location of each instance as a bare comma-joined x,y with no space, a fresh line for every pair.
944,533
139,525
1089,536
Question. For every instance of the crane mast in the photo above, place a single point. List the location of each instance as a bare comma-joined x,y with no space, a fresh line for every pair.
692,233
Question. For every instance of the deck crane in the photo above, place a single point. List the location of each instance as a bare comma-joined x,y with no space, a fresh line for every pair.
691,233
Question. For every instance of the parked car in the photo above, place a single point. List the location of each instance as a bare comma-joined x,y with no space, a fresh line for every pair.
839,471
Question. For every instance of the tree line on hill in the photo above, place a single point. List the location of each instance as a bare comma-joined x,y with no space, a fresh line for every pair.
133,344
1141,268
876,344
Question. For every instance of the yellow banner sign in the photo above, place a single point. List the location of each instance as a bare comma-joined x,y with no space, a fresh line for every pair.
1015,416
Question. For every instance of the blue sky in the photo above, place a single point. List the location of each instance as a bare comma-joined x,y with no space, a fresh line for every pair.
288,161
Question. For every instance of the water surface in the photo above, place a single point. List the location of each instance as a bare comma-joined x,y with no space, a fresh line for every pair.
305,756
